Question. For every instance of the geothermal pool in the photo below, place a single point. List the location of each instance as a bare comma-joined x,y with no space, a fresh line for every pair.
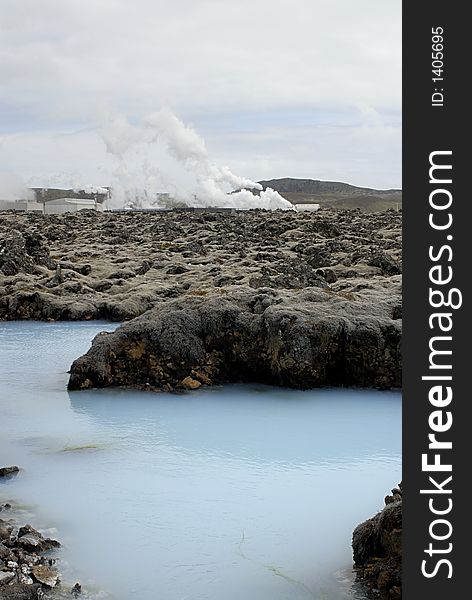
235,493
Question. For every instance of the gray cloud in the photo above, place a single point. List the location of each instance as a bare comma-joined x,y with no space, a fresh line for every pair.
67,62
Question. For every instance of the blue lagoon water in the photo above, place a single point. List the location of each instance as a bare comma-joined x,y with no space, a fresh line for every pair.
232,493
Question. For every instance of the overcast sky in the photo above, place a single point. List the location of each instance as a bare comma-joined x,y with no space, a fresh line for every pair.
299,88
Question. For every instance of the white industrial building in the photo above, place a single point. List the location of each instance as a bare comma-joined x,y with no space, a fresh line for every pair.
53,201
25,205
64,205
307,206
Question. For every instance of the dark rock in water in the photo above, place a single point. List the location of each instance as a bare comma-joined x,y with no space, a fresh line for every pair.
29,542
5,471
397,495
377,547
308,339
30,539
76,590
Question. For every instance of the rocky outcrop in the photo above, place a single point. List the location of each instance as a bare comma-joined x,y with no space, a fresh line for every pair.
26,566
7,471
116,266
311,338
23,252
377,546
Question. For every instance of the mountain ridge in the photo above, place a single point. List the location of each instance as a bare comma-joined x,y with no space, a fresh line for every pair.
294,184
335,194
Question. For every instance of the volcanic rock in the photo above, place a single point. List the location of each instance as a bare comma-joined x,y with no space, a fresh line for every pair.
117,266
377,547
6,471
22,252
19,591
32,540
45,575
6,576
22,562
311,338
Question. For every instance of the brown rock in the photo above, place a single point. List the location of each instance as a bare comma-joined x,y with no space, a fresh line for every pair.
377,546
45,575
316,337
190,384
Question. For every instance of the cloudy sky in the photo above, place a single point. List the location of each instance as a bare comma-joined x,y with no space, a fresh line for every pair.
298,88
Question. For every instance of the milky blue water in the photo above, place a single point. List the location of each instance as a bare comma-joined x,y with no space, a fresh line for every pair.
234,493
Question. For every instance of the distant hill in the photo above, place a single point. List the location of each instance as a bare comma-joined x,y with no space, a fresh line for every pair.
335,194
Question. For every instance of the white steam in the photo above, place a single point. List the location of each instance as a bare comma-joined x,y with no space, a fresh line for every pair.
13,188
184,142
90,188
66,181
161,160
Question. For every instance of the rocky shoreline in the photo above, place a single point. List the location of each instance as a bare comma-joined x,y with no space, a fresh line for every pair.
28,559
377,548
27,570
312,339
295,299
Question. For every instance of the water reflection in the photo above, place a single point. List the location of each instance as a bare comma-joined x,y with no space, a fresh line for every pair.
273,426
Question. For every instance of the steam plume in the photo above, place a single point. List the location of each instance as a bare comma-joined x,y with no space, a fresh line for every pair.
12,188
162,154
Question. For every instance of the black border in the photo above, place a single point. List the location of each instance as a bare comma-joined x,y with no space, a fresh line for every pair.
426,129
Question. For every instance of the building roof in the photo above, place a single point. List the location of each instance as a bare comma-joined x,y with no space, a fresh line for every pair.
84,201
